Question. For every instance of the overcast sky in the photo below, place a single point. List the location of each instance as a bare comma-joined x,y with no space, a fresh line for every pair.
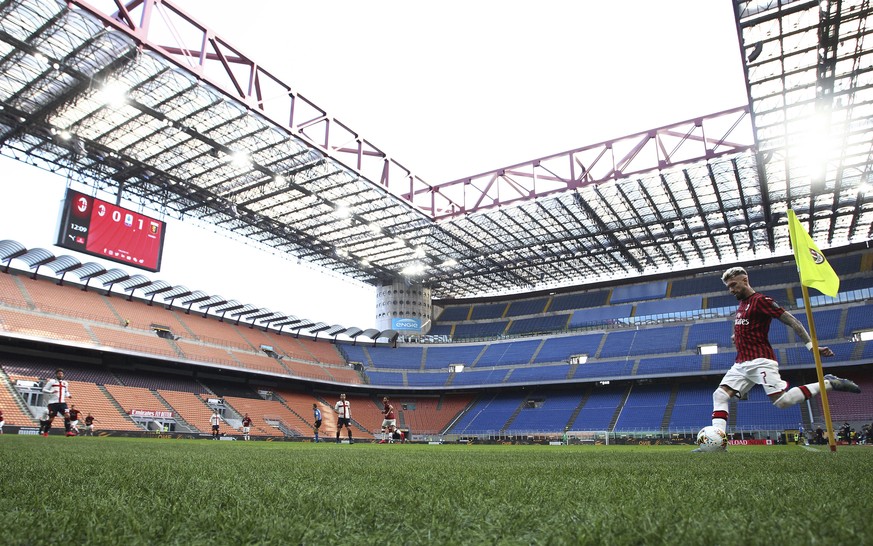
449,89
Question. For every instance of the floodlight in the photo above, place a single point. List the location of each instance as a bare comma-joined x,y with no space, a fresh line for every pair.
240,159
113,93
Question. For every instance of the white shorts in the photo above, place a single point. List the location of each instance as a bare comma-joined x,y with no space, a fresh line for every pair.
389,423
74,424
245,430
762,371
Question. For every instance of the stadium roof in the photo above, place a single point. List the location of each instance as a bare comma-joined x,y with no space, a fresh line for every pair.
150,105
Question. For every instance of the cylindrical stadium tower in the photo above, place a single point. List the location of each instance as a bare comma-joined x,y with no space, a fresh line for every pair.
404,307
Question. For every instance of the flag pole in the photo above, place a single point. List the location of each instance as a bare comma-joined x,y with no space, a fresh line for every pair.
818,369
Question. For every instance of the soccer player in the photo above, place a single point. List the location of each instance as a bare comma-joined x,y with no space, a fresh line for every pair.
344,418
89,424
317,416
756,362
58,391
2,421
44,423
74,420
246,426
215,421
389,421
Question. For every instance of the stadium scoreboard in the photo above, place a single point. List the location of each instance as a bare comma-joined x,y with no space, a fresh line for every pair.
92,226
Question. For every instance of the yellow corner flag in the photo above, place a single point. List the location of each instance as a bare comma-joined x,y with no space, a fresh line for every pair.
814,269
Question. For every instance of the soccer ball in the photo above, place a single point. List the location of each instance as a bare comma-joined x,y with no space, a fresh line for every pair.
712,439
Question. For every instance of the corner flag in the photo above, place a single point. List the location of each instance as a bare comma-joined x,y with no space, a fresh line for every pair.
814,269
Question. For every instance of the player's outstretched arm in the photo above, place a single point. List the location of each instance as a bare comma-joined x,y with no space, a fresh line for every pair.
791,321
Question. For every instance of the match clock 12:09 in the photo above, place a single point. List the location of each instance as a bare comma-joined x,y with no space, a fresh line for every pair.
103,229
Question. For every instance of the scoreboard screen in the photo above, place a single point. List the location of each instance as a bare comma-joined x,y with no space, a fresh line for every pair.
111,232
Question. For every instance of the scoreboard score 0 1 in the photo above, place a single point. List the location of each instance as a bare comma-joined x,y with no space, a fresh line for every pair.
103,229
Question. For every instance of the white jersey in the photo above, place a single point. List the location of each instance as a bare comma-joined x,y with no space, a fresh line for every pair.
215,419
343,409
58,391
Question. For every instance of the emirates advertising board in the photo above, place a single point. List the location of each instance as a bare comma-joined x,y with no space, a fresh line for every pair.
99,228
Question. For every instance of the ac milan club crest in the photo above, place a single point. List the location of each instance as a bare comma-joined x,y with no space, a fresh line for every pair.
817,256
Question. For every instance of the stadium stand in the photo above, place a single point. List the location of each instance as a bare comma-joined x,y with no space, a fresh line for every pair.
191,408
599,408
13,414
67,300
474,330
135,398
552,414
442,357
696,285
667,306
758,412
428,379
538,374
142,317
644,408
261,411
858,318
488,311
702,333
672,365
560,349
644,337
11,293
134,341
489,414
405,358
343,374
847,406
692,406
301,404
604,370
387,378
507,354
579,300
49,328
527,307
454,313
212,330
430,414
159,380
440,330
639,292
541,324
480,377
599,316
91,398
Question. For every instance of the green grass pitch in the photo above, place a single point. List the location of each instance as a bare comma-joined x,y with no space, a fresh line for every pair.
60,490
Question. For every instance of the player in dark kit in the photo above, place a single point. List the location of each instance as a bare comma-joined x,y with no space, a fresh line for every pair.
74,419
89,424
756,362
317,416
246,426
389,421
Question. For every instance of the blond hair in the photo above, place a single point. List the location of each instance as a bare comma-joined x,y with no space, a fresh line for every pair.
733,272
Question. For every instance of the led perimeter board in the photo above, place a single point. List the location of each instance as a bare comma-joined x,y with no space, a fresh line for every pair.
111,232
